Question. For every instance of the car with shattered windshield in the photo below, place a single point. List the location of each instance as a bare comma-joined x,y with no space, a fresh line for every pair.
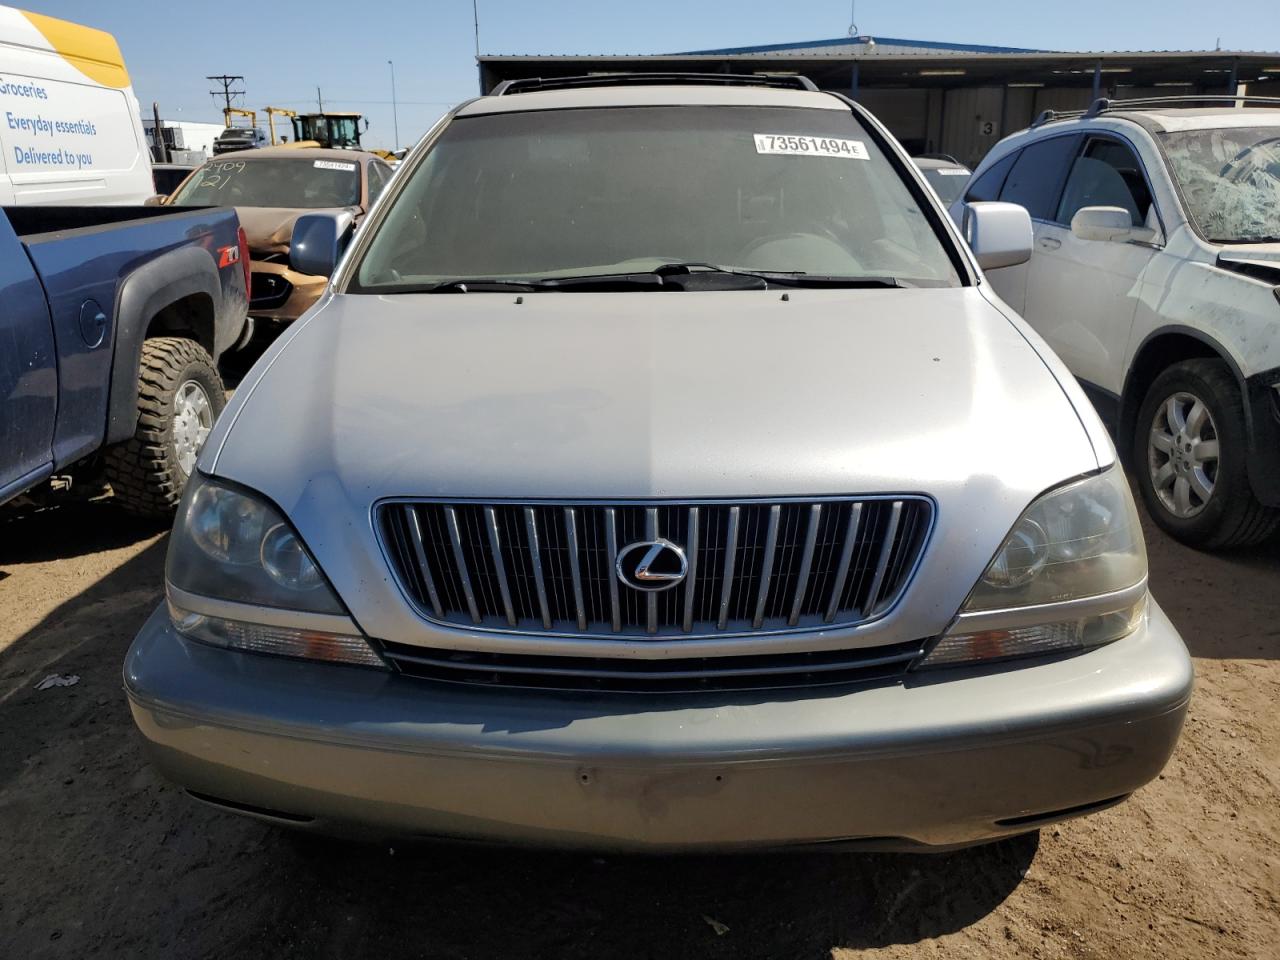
659,471
270,189
1155,276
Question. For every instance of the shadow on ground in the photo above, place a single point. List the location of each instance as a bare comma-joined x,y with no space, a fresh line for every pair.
1225,604
70,530
104,858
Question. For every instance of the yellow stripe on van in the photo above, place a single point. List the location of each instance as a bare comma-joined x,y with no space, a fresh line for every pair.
94,53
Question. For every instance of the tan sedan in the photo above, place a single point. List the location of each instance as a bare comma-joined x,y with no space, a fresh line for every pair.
270,188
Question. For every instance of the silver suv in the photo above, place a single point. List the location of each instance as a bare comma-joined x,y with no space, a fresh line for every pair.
659,471
1154,277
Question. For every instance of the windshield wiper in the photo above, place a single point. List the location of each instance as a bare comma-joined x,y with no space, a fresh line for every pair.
655,279
593,282
694,268
801,279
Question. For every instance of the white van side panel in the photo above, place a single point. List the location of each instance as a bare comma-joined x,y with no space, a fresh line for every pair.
65,137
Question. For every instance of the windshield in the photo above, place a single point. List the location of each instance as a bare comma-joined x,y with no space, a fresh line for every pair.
1230,178
544,194
342,132
272,183
948,182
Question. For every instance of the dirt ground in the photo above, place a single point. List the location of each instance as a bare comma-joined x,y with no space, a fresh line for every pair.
98,857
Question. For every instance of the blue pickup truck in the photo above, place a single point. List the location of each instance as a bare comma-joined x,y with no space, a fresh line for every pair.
112,320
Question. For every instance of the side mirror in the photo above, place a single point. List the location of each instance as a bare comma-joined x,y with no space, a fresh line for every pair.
318,242
1108,223
999,234
155,200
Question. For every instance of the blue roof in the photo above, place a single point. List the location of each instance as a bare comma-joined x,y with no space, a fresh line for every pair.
862,41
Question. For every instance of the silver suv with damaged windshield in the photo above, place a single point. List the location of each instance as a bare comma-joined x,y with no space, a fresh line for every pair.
1156,277
660,472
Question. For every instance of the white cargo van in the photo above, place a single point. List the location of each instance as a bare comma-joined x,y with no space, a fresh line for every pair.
70,132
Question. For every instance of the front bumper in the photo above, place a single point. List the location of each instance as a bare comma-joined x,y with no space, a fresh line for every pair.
943,759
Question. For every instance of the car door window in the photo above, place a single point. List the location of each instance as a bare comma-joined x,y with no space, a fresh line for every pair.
987,186
1035,181
1106,174
378,177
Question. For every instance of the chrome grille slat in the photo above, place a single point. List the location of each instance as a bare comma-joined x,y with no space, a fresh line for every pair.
459,557
730,554
766,566
611,532
495,546
806,563
752,566
535,554
420,554
846,558
579,604
691,550
882,564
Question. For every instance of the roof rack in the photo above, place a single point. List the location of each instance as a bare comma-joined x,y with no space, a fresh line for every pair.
1104,105
530,84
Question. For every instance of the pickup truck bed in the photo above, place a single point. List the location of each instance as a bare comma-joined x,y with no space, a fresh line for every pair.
89,294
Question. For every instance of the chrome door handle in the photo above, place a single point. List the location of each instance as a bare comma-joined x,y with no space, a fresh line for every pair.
1050,243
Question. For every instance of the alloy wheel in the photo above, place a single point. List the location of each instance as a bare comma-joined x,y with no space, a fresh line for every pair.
1182,455
192,421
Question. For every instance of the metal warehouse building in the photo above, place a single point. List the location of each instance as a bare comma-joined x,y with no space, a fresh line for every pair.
942,97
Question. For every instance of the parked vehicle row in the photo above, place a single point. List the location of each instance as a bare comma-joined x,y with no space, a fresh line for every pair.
824,545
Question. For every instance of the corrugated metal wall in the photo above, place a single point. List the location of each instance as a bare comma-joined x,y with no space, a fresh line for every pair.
971,122
905,111
967,122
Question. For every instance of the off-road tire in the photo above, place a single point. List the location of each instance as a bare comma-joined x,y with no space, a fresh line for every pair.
1232,517
144,471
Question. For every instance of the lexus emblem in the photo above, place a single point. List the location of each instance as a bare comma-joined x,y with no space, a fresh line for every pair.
652,565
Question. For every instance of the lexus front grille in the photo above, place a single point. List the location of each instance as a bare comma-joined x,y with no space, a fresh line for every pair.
721,568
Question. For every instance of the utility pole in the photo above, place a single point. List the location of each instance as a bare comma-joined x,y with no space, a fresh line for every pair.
227,81
395,116
319,102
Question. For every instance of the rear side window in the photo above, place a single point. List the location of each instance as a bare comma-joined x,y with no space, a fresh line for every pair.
1036,178
378,177
987,186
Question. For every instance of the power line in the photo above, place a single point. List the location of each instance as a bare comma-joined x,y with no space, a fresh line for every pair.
226,92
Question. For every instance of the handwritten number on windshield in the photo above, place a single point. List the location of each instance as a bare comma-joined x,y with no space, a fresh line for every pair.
218,175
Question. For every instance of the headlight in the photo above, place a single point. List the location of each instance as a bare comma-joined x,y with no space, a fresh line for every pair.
239,576
1071,575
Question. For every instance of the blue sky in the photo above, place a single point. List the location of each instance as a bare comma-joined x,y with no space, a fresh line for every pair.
285,48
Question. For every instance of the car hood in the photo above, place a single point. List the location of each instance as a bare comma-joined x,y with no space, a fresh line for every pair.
651,395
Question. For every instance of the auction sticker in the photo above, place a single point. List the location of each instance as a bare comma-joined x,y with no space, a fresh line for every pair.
792,145
334,165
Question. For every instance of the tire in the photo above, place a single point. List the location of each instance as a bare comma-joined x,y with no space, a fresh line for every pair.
1174,476
180,394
